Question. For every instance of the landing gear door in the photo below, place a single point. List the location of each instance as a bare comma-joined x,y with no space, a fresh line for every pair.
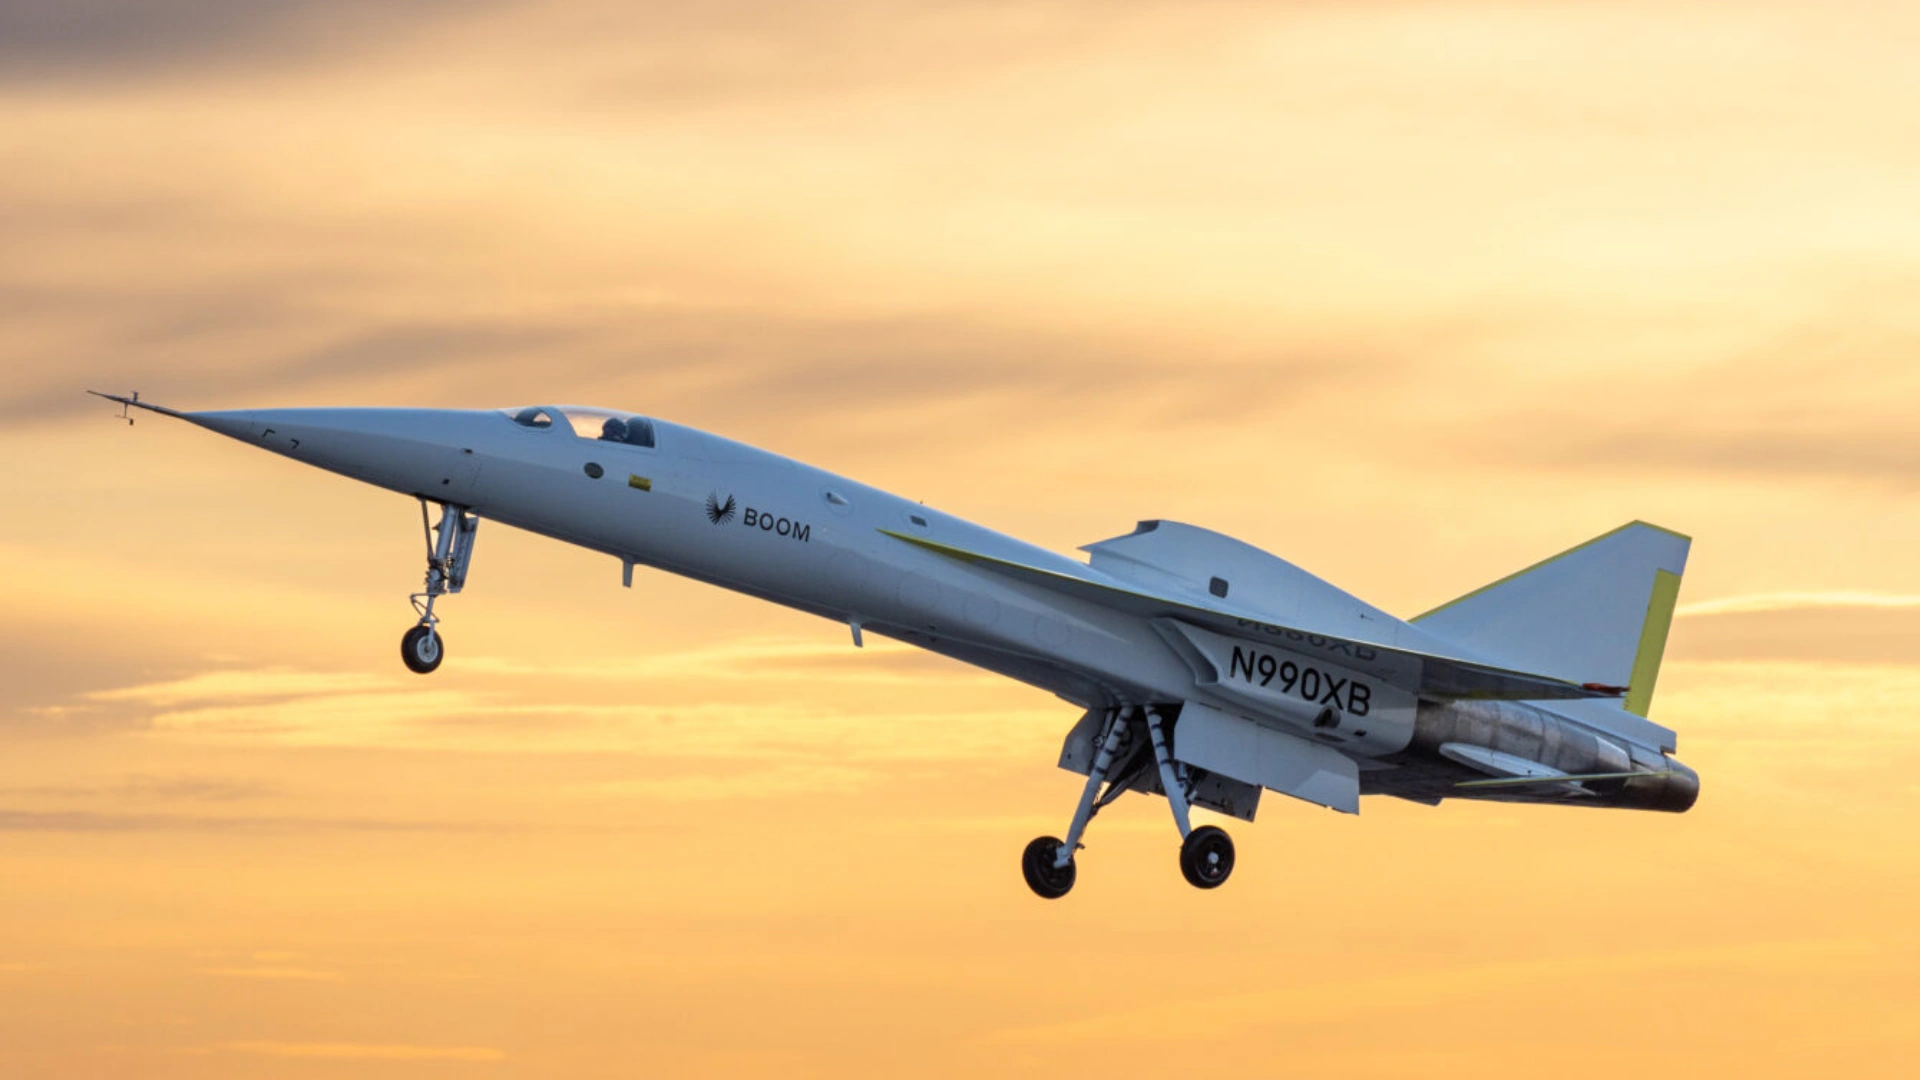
1219,742
1221,794
461,476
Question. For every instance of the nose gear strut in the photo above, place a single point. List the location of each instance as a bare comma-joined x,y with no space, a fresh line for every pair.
449,551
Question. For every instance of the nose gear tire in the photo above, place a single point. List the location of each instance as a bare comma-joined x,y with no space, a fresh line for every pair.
1048,881
422,648
1206,857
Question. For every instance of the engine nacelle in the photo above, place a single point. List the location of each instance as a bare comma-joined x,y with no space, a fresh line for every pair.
1526,733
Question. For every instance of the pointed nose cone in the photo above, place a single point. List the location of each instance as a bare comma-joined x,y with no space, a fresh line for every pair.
234,423
425,452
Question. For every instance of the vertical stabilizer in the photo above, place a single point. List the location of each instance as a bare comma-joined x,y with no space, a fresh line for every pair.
1596,614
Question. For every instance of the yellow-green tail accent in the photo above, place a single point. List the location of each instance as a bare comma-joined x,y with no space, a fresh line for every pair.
1653,642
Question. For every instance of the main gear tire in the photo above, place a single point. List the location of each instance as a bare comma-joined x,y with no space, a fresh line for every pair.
1049,882
1206,857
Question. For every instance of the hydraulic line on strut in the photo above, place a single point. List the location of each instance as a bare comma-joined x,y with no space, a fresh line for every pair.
1172,776
1089,796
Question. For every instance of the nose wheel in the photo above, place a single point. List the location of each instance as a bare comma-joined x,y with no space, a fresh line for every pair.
449,552
422,649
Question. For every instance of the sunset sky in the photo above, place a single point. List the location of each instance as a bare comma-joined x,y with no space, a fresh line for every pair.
1411,294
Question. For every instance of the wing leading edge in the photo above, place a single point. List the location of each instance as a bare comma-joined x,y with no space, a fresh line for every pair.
1441,676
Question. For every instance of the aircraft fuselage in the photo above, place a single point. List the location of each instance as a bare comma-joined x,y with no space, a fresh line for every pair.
745,519
1171,625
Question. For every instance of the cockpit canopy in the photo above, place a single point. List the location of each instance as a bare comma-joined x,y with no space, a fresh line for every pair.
605,425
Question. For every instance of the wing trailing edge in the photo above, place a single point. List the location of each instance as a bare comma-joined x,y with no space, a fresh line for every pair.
1442,676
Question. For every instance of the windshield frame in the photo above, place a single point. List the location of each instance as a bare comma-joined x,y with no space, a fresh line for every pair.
589,423
529,417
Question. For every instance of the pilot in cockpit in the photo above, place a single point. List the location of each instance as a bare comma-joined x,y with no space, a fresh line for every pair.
614,430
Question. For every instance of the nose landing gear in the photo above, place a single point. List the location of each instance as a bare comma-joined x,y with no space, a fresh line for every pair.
449,551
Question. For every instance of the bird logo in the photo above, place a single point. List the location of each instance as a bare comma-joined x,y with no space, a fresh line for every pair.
719,512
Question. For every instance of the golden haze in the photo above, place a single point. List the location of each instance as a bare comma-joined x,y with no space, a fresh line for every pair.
1410,293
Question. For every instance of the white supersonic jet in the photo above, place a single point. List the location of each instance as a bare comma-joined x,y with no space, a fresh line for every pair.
1208,670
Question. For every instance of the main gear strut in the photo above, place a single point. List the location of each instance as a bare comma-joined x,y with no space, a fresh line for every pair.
1206,853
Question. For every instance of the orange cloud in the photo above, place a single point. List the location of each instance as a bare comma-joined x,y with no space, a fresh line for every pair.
273,974
361,1052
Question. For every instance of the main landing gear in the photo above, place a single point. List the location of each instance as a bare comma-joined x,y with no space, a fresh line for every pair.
449,551
1206,853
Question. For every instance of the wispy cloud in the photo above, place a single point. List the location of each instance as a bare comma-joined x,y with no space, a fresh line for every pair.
1756,603
271,974
1331,1001
881,661
74,821
788,779
138,787
1811,404
100,40
230,685
368,1051
710,702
